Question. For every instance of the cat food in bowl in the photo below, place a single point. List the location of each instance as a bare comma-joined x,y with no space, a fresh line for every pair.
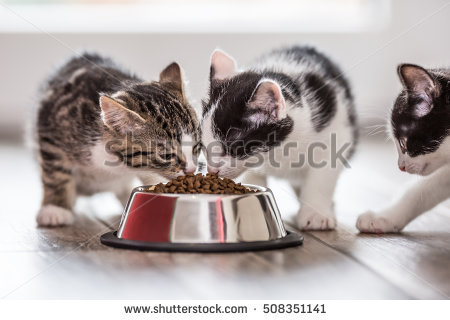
201,214
199,183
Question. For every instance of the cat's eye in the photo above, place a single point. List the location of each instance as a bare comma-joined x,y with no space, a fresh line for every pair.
402,143
168,156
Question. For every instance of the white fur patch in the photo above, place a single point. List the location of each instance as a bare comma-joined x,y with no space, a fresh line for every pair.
104,173
187,143
52,216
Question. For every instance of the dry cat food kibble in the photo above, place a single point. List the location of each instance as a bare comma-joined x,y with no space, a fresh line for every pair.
211,184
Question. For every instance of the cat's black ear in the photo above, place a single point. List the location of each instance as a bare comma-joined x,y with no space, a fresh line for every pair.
267,103
172,78
420,83
118,118
222,65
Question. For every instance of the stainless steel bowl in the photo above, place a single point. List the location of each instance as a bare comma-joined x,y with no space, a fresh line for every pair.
201,222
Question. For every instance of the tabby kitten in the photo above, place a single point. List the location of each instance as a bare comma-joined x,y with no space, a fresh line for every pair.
420,125
99,128
290,104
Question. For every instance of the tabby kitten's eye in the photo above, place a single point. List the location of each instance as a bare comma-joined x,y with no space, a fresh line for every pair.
402,143
168,156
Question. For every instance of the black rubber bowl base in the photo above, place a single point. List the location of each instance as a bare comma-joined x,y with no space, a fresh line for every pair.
292,239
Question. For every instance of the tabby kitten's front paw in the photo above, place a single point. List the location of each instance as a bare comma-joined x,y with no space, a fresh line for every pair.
370,222
310,219
51,216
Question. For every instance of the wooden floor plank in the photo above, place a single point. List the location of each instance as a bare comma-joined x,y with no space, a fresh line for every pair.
416,260
310,272
20,233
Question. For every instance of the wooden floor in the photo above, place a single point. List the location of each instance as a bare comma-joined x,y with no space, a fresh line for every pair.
70,262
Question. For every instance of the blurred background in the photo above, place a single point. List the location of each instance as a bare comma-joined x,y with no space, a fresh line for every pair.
368,38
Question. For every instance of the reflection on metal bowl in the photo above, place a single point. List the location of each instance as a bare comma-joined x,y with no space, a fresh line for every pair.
201,222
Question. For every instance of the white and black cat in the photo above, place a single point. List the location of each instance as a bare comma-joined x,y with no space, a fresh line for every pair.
420,125
290,104
99,127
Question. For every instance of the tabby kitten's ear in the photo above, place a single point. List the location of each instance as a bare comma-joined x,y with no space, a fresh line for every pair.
118,118
172,78
222,65
267,103
422,87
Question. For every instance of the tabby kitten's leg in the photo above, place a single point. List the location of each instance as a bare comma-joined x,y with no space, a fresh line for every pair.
59,190
423,196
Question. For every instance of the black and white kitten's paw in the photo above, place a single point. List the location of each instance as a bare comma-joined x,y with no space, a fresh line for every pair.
371,222
310,219
51,216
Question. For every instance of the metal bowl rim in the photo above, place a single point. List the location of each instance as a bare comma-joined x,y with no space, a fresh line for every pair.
186,196
291,239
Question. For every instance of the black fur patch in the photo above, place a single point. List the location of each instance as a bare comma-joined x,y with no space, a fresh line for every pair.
322,100
333,72
240,137
311,54
423,134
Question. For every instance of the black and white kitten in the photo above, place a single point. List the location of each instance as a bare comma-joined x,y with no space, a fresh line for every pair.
420,125
290,105
99,128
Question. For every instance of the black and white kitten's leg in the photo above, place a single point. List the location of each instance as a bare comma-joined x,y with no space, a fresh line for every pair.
59,190
316,199
420,198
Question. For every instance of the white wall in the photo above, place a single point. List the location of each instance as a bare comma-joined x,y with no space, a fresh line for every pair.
417,33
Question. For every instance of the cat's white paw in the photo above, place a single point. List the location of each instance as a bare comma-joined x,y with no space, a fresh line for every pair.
370,222
310,219
51,215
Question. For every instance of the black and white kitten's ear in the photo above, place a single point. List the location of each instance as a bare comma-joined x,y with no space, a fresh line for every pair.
420,83
118,118
267,103
172,78
222,65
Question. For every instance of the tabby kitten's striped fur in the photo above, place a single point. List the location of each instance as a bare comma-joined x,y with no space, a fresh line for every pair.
99,128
